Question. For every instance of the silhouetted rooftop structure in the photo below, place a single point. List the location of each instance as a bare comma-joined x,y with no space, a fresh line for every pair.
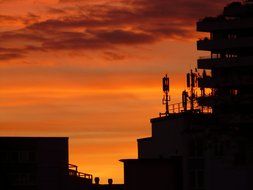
210,132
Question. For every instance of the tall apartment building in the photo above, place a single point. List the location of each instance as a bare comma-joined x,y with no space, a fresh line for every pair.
207,145
230,44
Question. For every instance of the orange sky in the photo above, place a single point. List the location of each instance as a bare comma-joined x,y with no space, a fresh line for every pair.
91,70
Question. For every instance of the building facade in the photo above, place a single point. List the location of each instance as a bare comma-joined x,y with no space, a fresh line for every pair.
39,163
42,163
209,134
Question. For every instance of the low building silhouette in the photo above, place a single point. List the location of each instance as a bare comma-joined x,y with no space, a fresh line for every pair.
209,134
33,163
42,163
153,173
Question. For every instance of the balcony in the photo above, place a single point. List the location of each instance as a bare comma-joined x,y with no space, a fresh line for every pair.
207,100
206,82
209,62
73,172
214,24
226,82
224,44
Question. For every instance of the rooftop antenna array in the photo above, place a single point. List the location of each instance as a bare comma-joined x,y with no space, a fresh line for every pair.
192,83
166,97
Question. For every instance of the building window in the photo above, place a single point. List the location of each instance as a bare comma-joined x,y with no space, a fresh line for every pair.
17,157
232,36
22,179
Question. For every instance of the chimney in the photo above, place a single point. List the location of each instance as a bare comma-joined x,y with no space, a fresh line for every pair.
97,180
110,181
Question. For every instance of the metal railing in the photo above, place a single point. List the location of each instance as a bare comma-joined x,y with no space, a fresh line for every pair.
73,171
205,57
179,108
218,57
84,175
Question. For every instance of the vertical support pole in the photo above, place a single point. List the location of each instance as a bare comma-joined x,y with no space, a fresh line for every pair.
192,90
167,102
166,88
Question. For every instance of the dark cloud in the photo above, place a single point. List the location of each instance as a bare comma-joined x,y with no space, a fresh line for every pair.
100,26
75,44
6,18
56,11
11,53
30,18
125,37
10,56
97,40
22,35
189,9
114,56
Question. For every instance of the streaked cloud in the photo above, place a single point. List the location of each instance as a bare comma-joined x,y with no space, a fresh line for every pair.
101,25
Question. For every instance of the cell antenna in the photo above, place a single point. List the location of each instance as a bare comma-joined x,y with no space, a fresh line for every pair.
166,98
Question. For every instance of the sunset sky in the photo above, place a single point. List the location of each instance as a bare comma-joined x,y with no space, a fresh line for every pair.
91,70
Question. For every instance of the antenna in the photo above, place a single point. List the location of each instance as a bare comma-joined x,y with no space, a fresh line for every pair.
166,98
192,83
184,99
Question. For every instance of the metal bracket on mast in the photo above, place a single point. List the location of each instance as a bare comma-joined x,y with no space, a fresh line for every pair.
166,97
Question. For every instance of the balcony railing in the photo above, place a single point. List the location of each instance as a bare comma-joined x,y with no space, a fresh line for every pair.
73,171
210,24
223,81
205,57
219,44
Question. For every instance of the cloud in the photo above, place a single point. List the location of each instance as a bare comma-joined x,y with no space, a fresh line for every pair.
112,56
125,37
7,18
11,53
99,26
10,56
53,10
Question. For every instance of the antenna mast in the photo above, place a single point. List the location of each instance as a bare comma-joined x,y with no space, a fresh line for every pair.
166,97
192,81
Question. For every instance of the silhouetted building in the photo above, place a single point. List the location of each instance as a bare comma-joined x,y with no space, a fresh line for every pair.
210,135
39,163
155,173
230,63
78,180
